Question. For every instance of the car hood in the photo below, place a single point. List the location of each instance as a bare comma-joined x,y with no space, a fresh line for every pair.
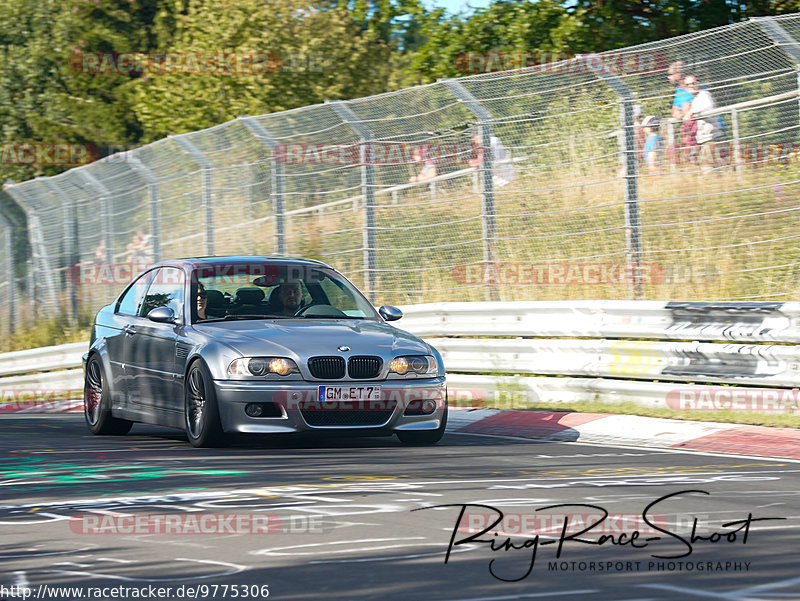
313,337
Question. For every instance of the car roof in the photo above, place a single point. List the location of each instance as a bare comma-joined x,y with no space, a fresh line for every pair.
237,260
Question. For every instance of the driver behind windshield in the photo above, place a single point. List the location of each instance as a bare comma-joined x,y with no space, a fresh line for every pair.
290,297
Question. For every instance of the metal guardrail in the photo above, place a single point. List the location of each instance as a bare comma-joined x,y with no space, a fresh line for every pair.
754,365
673,320
614,350
658,354
43,359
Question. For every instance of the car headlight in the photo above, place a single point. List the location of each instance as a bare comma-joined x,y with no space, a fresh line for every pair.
414,365
262,366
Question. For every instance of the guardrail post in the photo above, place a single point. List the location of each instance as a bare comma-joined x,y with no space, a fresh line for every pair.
367,191
208,204
629,161
70,231
152,187
484,117
277,179
9,268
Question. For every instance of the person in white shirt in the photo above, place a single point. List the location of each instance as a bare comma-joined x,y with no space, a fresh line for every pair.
708,128
503,172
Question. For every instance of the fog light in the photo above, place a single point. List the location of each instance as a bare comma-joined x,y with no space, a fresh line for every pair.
253,409
428,406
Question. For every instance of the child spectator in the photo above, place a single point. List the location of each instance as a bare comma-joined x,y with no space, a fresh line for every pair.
652,145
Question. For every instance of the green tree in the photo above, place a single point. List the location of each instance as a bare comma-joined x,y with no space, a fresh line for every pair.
318,52
45,94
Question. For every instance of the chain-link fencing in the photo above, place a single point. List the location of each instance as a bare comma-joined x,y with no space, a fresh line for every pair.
563,180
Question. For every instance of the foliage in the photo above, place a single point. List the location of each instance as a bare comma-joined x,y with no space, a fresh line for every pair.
48,333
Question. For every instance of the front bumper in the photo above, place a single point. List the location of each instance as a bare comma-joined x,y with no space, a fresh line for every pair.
294,398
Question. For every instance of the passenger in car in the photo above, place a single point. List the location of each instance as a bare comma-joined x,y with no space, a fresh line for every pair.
202,301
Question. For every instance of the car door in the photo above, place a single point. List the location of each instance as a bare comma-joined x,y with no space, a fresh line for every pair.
125,314
153,381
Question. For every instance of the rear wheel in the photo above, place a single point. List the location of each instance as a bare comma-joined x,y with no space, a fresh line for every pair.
424,437
201,414
97,402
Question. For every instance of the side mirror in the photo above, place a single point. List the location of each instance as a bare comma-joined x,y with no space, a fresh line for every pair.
390,313
162,315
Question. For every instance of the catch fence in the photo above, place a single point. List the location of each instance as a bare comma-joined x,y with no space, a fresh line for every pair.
527,184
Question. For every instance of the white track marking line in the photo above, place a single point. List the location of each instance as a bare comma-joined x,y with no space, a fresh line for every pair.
632,447
396,557
278,551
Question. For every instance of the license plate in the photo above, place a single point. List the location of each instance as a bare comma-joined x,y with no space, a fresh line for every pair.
332,394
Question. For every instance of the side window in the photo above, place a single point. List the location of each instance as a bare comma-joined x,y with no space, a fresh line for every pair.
130,303
166,290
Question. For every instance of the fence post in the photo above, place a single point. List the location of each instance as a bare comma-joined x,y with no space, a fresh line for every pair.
277,176
152,187
10,269
737,149
484,117
105,201
208,205
70,230
367,191
783,40
12,215
39,269
633,241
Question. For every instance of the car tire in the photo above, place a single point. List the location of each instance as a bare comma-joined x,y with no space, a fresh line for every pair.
424,437
201,413
97,402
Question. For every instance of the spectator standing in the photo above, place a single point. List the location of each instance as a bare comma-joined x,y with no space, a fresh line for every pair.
503,172
423,158
680,105
708,128
653,145
638,130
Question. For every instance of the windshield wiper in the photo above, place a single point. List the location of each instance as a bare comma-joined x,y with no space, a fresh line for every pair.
329,317
243,316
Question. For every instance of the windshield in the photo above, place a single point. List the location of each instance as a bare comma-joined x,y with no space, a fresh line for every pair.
227,292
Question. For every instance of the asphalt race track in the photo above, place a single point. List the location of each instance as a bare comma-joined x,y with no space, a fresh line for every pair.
335,519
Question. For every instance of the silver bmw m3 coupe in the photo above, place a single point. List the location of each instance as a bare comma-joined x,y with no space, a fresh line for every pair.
258,345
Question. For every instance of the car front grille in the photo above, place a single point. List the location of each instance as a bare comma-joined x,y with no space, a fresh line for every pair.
346,417
364,367
327,368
